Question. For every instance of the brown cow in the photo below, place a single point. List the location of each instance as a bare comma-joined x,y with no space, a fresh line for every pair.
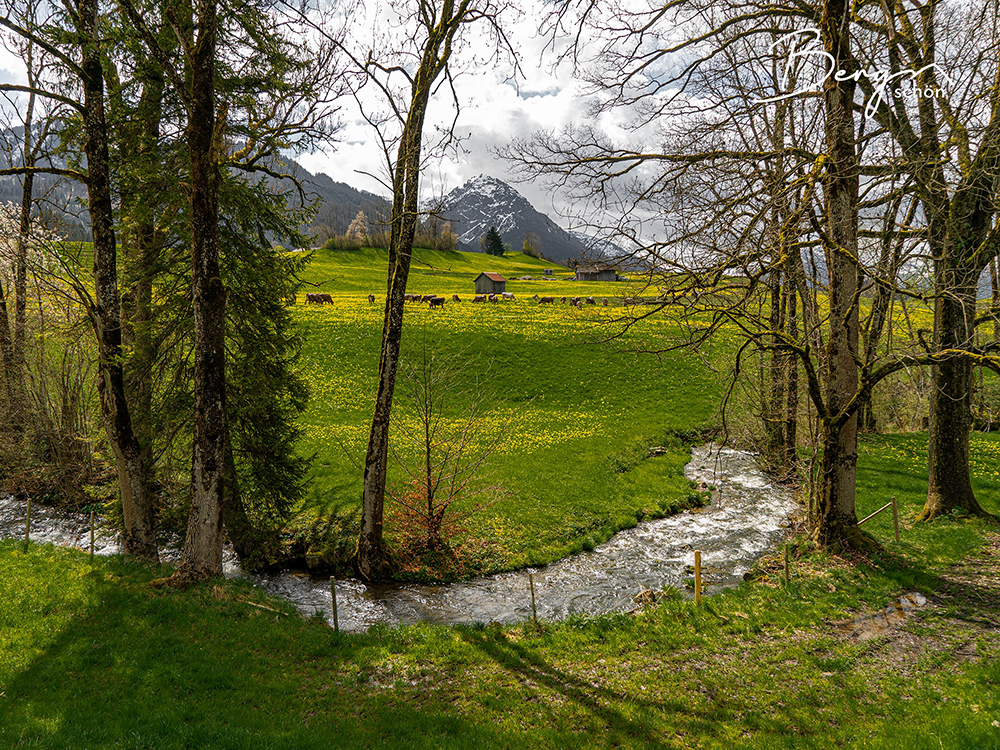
371,299
605,302
455,298
579,305
324,297
546,300
493,298
436,302
590,301
427,297
479,298
311,298
562,300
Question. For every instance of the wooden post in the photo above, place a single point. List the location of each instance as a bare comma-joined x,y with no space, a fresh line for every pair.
534,612
27,525
788,577
895,518
697,577
91,533
333,598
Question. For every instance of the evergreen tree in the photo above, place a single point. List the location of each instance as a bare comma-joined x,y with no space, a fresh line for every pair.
493,242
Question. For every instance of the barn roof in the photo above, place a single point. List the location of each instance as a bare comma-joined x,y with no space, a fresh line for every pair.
492,276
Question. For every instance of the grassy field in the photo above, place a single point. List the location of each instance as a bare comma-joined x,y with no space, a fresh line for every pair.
578,413
92,657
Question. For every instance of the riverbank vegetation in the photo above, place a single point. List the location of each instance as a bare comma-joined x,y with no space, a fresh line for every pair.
93,657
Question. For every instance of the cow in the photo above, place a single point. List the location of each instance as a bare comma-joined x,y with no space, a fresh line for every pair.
371,299
479,298
493,298
436,302
605,302
508,295
325,298
575,301
590,301
579,305
455,298
312,298
562,300
546,300
427,297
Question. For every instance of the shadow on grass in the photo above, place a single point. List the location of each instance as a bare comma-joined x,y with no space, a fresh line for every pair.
116,664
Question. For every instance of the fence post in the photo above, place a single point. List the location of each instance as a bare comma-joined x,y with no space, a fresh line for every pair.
895,518
697,577
333,598
534,612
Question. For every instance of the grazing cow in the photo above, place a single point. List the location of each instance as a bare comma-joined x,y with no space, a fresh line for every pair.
427,297
590,301
605,302
579,305
371,299
546,300
324,297
436,302
455,298
562,300
508,295
312,298
493,298
479,298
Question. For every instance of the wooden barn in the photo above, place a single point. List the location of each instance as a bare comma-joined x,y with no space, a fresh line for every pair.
596,273
490,283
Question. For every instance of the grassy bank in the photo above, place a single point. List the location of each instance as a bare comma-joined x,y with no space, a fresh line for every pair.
92,657
578,411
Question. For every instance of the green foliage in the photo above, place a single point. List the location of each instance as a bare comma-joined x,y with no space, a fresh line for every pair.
492,243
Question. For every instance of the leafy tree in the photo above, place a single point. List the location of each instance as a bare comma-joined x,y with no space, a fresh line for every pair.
493,242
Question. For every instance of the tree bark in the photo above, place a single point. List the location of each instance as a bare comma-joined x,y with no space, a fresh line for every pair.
949,481
139,536
836,522
203,544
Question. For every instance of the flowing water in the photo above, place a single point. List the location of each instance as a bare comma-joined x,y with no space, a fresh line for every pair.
745,519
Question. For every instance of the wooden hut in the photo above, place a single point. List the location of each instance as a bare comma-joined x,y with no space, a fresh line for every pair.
596,273
490,283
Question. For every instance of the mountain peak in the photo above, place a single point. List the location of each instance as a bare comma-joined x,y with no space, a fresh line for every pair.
486,201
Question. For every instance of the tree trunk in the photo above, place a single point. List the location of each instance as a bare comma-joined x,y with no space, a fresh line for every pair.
139,536
949,482
836,522
791,373
203,544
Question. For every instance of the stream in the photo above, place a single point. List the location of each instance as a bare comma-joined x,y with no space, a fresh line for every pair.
745,520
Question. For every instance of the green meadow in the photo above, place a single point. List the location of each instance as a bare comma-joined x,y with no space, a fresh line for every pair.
91,656
577,402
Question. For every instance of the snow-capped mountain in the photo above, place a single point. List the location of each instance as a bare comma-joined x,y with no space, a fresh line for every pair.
485,201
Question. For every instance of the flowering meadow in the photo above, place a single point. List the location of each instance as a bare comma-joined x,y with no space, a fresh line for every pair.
578,409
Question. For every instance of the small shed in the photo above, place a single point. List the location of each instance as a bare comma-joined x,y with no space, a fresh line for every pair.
596,273
490,283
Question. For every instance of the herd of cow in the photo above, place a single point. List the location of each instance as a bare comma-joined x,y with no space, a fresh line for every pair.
321,298
577,302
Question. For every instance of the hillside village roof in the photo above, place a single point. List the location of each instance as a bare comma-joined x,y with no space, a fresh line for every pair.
492,276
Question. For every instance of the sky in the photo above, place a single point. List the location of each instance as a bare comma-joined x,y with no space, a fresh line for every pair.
496,107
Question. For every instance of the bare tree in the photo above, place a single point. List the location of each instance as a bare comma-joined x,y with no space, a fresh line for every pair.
406,80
